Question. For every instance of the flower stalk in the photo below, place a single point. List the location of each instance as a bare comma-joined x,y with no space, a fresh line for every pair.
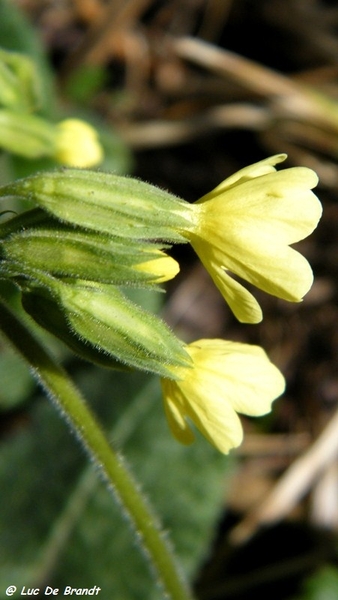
63,392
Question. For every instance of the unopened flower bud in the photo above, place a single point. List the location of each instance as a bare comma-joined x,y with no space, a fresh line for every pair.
72,142
65,252
108,320
77,144
102,316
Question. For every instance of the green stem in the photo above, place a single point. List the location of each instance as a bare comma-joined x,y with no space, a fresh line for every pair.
62,390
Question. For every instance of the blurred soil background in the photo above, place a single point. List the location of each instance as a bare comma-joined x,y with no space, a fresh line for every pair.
198,89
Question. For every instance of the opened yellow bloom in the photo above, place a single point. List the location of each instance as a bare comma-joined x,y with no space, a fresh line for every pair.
244,228
226,378
77,144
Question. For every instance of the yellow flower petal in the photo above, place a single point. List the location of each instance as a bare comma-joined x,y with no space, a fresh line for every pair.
263,167
282,199
226,378
242,303
177,423
245,226
214,418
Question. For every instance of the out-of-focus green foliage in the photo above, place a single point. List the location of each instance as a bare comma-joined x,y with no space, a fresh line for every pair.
17,34
16,380
85,82
321,586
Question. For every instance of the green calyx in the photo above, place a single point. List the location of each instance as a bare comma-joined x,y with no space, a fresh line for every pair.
45,311
101,316
108,320
106,203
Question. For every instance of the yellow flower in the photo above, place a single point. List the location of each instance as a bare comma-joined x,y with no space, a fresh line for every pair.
77,144
226,378
244,228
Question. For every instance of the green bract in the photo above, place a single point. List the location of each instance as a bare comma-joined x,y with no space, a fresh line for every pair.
106,203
